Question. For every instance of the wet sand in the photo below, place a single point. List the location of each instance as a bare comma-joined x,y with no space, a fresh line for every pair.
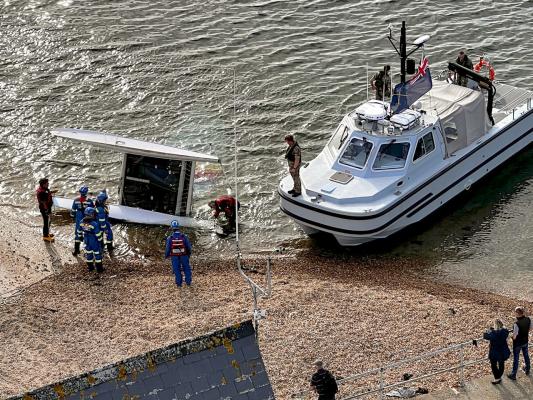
355,314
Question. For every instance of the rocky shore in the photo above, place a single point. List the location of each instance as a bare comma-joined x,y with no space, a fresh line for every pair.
355,314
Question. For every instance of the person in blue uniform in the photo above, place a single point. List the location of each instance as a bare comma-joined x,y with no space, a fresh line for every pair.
91,239
79,205
178,248
102,214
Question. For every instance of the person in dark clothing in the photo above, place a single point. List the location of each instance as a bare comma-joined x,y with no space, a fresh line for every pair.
293,154
226,204
498,349
44,198
520,342
381,83
323,383
462,59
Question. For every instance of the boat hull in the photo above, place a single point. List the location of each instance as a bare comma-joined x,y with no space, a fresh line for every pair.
419,202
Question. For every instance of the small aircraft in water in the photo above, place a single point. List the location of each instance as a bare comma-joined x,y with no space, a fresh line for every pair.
157,181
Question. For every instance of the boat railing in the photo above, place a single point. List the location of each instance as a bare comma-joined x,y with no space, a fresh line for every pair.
375,382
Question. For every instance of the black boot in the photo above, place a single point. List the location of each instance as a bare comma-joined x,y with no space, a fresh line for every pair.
90,266
110,247
76,249
99,267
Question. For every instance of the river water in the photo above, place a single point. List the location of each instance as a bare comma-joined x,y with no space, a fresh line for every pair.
181,73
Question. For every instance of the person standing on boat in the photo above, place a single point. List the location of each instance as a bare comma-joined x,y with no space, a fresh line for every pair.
179,248
226,204
463,60
521,330
381,83
92,236
102,213
294,158
498,349
44,198
77,212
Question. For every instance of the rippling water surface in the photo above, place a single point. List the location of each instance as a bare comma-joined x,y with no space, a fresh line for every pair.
172,72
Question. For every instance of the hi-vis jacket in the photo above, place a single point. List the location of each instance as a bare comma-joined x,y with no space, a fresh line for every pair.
178,245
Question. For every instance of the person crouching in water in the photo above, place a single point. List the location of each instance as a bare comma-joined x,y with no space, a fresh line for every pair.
226,204
498,349
91,239
178,247
77,212
102,213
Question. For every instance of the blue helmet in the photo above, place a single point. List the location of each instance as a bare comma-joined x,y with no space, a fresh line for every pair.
102,196
174,224
84,190
89,211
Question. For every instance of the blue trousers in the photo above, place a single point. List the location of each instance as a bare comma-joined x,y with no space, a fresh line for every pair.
516,356
179,264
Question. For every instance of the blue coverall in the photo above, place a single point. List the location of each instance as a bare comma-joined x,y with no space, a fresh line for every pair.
91,238
102,215
180,262
78,207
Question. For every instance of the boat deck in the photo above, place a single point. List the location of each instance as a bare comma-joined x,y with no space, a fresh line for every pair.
508,97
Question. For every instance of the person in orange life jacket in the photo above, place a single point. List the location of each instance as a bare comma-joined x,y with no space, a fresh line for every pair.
225,204
521,330
91,239
178,248
44,198
293,154
77,212
102,214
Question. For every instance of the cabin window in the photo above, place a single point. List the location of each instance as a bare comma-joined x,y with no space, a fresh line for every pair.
391,155
356,153
338,138
152,183
424,146
450,131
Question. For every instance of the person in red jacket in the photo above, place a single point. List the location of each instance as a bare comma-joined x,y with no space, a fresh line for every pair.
225,204
44,198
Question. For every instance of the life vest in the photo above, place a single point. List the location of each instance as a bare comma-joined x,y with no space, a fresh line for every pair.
177,246
485,63
289,154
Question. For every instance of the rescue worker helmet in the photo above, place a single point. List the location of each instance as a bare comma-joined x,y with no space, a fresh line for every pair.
102,196
174,224
90,211
212,204
84,190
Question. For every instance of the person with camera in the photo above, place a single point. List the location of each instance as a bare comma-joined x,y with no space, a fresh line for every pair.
498,349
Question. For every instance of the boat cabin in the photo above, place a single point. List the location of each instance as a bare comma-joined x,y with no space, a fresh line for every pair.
156,178
447,119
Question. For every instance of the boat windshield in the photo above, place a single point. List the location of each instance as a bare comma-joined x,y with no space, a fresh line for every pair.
356,153
392,155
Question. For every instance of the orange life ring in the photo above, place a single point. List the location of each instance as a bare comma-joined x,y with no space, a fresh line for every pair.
484,63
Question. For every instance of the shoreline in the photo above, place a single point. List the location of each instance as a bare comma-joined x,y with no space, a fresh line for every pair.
355,314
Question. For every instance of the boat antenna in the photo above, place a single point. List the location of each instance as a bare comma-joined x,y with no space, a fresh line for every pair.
367,81
402,51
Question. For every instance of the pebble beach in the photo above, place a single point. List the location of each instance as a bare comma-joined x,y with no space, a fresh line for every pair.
57,320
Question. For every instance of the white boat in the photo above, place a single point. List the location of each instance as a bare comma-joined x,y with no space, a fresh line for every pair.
157,181
381,172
